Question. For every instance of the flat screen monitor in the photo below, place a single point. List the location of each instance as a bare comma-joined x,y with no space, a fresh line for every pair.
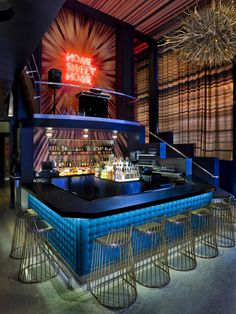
47,166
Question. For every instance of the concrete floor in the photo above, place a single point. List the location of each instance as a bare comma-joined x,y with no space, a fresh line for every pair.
210,288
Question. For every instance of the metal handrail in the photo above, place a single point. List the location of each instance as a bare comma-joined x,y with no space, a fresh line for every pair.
33,70
182,154
85,87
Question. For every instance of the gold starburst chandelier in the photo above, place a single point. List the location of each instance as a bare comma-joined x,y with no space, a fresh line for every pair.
206,36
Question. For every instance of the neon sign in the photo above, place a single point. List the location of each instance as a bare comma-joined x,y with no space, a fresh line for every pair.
79,69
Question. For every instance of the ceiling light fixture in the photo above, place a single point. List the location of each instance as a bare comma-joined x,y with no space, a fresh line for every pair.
207,36
6,10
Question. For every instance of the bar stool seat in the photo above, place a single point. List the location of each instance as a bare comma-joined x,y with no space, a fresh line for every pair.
204,232
23,217
224,224
39,263
221,198
112,278
150,253
181,251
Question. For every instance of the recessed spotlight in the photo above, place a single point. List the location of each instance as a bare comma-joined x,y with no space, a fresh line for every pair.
49,134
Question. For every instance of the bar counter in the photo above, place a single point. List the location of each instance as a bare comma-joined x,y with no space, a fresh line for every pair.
90,197
78,221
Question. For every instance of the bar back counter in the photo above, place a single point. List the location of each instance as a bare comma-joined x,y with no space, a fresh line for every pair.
81,208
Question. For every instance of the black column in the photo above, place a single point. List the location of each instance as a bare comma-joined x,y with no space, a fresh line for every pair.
26,156
125,70
234,111
2,159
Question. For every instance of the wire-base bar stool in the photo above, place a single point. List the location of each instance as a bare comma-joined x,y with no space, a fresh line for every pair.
112,279
204,232
180,240
150,253
23,218
39,262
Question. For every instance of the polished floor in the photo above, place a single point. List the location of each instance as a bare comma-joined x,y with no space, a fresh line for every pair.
210,288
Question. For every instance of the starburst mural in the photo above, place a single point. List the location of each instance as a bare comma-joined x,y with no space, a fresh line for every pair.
93,45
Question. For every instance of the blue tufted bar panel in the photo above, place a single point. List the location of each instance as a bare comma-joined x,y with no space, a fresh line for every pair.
73,237
64,238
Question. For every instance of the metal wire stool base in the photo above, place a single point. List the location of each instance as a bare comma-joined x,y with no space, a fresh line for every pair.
223,241
181,250
18,236
204,231
206,249
150,254
23,218
224,224
182,261
118,293
152,274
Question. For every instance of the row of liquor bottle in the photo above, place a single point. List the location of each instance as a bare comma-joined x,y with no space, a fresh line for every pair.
118,169
86,147
70,163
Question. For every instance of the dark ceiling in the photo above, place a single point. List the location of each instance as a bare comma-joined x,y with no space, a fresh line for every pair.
21,35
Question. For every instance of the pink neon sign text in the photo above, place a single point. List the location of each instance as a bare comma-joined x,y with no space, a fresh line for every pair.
79,69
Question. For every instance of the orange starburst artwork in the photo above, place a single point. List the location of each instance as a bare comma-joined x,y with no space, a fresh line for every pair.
85,52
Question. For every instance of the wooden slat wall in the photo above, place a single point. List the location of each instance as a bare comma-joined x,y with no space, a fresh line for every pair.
142,92
197,105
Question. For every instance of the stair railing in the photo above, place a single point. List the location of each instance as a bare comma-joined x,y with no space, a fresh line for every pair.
183,155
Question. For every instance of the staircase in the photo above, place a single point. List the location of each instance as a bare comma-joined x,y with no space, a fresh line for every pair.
220,173
206,168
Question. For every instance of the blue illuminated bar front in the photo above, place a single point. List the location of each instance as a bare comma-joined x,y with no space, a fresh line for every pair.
73,237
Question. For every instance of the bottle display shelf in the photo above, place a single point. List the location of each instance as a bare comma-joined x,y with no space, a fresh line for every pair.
91,152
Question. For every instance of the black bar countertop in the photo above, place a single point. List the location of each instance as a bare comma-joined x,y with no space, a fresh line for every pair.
71,204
